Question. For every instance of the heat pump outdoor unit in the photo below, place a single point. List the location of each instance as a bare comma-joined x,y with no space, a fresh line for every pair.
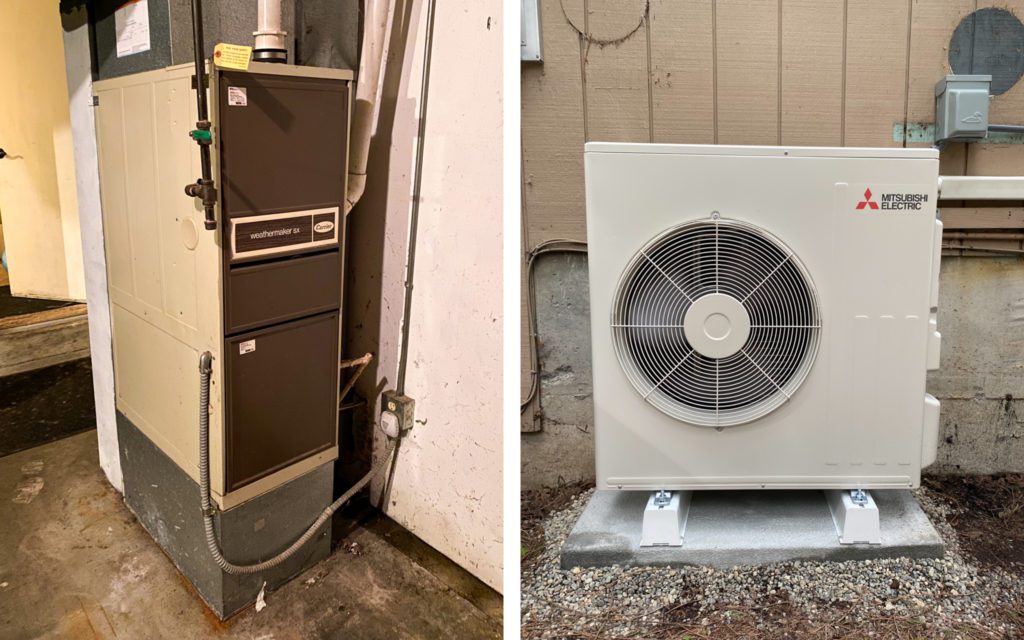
762,318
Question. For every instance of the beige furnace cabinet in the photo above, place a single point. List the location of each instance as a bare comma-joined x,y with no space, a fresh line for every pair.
261,292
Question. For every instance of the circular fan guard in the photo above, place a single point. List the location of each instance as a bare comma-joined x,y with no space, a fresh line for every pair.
735,267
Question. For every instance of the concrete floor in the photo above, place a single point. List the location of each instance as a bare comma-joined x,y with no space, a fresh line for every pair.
74,563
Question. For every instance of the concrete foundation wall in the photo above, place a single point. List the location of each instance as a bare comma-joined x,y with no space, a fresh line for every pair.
563,450
980,384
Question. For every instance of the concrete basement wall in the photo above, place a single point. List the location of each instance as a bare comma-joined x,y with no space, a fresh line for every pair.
779,72
446,486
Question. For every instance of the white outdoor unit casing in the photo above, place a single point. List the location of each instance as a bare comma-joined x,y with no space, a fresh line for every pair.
762,317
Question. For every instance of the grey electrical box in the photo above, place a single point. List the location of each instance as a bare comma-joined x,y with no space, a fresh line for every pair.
529,32
961,107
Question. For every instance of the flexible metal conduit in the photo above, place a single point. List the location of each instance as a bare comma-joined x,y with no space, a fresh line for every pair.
205,370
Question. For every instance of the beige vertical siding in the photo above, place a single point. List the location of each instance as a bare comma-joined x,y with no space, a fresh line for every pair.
797,72
683,72
813,56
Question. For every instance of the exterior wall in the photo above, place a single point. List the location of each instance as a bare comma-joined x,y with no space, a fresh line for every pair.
785,72
447,481
981,317
563,451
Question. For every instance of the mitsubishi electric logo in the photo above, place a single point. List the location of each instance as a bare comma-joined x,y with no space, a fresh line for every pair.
893,201
867,201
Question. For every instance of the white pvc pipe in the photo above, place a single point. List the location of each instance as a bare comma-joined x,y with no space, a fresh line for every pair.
268,26
367,105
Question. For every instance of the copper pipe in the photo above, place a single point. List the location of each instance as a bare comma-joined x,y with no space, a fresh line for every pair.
361,362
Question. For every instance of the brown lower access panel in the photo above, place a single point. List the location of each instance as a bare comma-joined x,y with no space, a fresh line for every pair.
272,292
281,396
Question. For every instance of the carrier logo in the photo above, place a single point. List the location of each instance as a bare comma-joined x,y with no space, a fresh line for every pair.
893,201
323,227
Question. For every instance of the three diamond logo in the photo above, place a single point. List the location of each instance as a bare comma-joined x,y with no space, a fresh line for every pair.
867,202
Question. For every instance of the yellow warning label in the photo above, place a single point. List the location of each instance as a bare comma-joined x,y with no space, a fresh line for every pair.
232,56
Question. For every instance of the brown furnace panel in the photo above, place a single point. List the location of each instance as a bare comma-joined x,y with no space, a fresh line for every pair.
283,142
282,396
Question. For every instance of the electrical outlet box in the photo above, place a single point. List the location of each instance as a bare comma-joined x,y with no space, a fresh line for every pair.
400,406
961,107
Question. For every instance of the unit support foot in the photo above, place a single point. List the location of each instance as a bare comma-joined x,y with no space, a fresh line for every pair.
855,515
665,518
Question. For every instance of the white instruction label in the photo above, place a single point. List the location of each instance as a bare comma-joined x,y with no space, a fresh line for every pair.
237,97
246,347
131,26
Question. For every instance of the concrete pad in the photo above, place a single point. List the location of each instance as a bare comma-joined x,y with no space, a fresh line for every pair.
730,528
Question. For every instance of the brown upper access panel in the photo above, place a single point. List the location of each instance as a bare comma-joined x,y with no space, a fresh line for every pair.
282,142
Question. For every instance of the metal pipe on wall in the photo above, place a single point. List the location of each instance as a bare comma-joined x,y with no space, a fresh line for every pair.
203,188
1006,128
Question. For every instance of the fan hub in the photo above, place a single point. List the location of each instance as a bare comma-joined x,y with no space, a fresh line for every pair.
716,325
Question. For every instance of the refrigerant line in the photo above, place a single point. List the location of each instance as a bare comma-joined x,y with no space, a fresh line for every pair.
558,245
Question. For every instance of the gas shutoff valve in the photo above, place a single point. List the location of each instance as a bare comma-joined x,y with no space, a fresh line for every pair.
396,413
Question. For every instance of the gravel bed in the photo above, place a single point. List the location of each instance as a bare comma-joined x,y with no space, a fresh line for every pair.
951,597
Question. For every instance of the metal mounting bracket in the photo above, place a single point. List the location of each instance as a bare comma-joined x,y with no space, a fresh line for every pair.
665,518
855,515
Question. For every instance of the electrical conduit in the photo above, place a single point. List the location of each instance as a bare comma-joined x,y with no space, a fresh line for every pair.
205,371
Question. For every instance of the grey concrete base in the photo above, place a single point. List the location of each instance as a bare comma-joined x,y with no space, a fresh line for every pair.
166,501
730,528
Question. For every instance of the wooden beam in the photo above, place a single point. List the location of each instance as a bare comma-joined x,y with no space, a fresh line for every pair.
42,344
38,317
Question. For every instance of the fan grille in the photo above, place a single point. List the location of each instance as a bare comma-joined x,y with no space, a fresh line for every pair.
723,264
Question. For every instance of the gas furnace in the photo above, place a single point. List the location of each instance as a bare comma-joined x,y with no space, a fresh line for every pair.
261,292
